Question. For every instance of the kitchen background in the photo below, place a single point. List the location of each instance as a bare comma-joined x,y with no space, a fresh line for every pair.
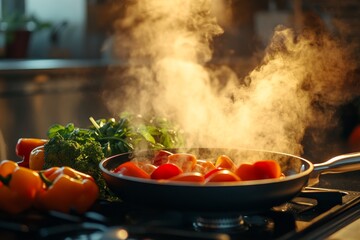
64,58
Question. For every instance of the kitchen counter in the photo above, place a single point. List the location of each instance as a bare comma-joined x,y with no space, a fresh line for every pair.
352,231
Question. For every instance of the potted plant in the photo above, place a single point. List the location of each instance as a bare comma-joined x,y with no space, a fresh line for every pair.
18,29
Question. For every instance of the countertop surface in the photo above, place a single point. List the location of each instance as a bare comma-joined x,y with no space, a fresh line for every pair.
350,232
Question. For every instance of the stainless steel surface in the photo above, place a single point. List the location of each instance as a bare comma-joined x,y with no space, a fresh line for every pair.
51,64
32,99
342,163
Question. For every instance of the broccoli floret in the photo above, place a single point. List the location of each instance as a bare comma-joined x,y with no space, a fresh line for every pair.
89,159
83,157
61,152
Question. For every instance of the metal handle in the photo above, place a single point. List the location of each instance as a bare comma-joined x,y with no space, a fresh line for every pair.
342,163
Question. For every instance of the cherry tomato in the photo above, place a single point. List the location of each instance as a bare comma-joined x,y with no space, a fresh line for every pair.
225,162
131,169
189,177
166,171
246,172
160,157
267,169
184,160
222,175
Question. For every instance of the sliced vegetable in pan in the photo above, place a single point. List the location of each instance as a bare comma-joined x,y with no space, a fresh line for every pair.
185,167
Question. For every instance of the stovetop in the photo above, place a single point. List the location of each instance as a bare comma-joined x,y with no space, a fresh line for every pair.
315,213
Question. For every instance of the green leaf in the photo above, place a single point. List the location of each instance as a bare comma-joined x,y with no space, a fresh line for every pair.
54,129
146,134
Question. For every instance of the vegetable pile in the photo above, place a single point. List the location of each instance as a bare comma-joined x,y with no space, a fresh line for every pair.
83,148
61,189
166,166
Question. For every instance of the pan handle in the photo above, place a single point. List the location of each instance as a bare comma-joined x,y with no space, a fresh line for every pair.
339,164
342,163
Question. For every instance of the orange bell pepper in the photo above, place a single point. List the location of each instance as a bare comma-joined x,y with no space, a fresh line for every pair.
24,146
67,190
37,158
18,187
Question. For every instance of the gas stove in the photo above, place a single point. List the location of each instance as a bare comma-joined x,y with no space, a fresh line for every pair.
314,214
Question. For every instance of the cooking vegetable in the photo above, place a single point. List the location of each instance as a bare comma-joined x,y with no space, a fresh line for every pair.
186,167
67,190
246,172
223,175
24,146
203,166
160,157
18,187
83,148
225,162
147,167
212,172
166,171
189,177
183,160
267,169
132,170
262,169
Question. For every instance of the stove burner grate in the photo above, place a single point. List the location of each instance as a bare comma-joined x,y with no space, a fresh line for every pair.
220,223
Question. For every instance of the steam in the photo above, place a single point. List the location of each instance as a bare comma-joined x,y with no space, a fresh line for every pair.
168,44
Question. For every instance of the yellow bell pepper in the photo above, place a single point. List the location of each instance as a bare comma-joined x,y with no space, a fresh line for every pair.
67,190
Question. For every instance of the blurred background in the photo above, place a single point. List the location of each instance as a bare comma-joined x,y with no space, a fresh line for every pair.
57,57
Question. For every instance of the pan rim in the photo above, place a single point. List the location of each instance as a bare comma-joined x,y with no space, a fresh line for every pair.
301,174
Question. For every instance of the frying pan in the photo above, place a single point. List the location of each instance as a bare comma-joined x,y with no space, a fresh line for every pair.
245,196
